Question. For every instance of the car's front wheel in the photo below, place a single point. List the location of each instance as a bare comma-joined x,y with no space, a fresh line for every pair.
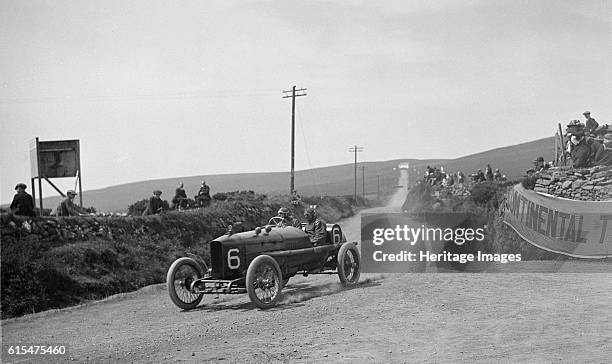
264,281
180,276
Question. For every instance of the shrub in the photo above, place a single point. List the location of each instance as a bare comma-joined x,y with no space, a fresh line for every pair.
484,192
220,196
137,208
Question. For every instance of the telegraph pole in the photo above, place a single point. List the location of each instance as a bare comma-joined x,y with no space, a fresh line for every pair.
293,95
355,150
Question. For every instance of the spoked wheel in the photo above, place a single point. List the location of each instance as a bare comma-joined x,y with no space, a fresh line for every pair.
348,264
264,281
180,276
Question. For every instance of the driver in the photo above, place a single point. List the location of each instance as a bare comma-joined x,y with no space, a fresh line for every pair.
315,228
288,220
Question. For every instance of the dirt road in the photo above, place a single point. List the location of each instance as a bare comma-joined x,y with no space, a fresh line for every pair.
395,318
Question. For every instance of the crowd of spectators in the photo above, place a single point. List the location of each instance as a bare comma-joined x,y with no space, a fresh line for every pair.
436,176
588,144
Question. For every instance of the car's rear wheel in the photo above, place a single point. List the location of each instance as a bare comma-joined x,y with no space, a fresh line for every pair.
349,264
180,276
264,281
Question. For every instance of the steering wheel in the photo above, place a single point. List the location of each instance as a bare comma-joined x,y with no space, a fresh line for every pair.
276,220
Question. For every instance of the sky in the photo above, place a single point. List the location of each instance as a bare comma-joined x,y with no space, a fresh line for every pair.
157,89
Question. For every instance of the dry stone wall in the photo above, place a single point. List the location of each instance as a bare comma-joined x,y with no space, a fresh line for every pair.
589,184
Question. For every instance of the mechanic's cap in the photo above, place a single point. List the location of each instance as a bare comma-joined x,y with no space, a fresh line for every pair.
71,192
21,185
283,211
203,182
157,192
586,113
539,159
496,169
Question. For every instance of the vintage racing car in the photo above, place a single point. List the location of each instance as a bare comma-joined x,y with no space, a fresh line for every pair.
260,262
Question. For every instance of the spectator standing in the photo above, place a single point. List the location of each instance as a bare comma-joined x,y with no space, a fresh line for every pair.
67,206
23,203
460,177
489,173
590,123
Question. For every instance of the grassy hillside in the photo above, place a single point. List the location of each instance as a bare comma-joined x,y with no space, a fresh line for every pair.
332,181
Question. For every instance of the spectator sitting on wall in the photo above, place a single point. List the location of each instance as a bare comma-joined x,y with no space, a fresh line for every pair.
22,204
155,205
539,164
203,197
580,151
67,206
480,176
179,201
605,157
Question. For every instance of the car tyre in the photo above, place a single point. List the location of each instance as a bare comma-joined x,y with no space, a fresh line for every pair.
178,280
264,281
349,264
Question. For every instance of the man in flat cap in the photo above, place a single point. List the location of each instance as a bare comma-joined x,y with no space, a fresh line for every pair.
591,124
22,204
156,205
67,206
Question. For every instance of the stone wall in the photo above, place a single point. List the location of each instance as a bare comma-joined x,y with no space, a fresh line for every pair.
588,184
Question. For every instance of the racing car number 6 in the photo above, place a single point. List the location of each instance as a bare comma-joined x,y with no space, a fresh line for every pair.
233,261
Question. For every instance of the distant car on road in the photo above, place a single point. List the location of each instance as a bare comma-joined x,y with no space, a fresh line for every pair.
260,262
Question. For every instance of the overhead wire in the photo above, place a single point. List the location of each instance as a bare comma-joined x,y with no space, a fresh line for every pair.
313,175
194,94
